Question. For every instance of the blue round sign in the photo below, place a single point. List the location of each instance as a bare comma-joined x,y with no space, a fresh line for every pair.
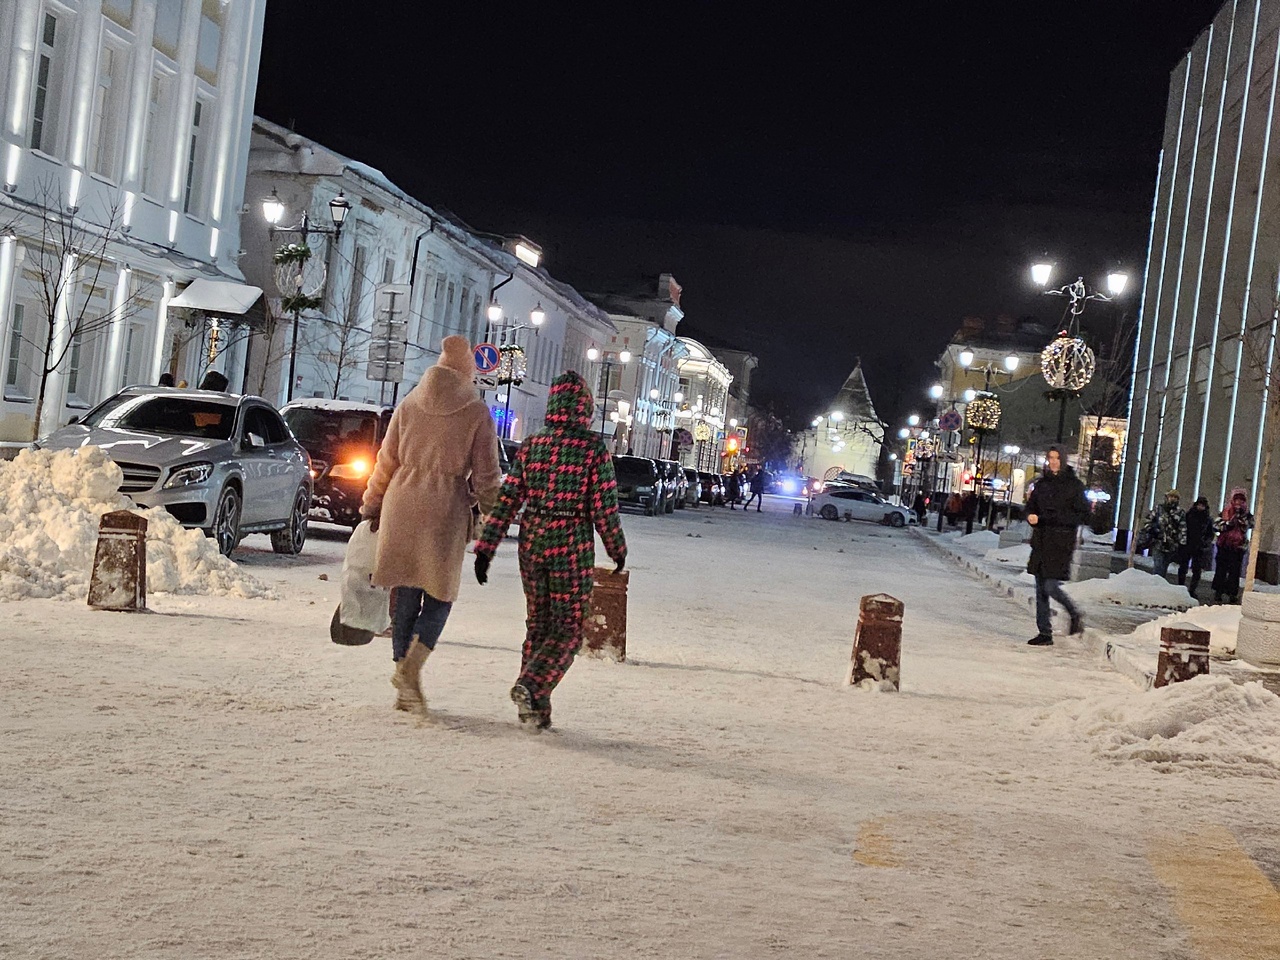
487,357
951,420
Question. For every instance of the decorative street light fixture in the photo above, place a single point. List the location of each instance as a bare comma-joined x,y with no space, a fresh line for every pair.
607,363
291,261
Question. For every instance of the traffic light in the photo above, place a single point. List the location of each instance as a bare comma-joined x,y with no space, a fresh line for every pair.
966,478
732,445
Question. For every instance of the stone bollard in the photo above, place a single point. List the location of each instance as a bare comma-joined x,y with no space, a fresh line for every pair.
1184,653
605,620
877,646
1258,641
119,578
797,510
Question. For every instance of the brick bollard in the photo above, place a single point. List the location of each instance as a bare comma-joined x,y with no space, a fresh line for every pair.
877,646
119,578
1184,653
605,622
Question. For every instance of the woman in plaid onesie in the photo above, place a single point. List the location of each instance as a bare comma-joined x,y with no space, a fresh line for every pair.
563,477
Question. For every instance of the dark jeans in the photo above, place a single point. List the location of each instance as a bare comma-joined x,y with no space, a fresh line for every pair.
1045,589
417,614
756,496
1195,561
1160,560
1226,573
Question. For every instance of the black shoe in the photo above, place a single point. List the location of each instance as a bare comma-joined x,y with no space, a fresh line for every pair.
1040,640
1077,624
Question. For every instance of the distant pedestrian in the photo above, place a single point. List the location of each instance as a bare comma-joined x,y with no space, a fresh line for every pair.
1055,510
439,459
166,380
213,380
921,507
759,482
1166,529
955,504
563,478
1233,528
1199,546
732,488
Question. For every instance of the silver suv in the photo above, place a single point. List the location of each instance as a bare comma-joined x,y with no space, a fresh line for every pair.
226,464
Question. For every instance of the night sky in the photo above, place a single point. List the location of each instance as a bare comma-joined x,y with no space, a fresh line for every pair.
825,185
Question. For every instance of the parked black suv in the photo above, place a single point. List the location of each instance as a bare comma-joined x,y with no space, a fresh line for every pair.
640,483
343,438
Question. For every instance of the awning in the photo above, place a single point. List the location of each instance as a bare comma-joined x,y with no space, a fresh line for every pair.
221,298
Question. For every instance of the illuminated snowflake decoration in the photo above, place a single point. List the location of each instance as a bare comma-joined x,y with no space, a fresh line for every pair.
1067,364
511,364
983,412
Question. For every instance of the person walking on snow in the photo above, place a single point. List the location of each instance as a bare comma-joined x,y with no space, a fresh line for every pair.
438,460
1199,544
759,481
1057,507
1166,527
732,488
1233,540
563,477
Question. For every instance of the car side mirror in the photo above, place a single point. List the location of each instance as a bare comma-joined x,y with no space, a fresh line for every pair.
254,442
73,420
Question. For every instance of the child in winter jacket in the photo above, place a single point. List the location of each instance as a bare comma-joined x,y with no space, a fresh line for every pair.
563,477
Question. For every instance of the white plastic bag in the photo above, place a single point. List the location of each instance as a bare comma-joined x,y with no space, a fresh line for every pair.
363,606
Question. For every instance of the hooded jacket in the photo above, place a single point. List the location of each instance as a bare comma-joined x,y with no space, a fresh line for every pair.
440,456
1060,506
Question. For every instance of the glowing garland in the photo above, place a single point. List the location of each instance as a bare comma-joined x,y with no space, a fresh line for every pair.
1067,364
983,412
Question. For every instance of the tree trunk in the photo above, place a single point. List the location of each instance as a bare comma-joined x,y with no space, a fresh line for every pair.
1268,444
1142,496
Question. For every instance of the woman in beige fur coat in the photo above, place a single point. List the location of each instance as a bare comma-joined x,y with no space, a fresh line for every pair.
438,461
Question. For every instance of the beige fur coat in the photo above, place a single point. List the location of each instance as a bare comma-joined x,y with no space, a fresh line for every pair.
440,457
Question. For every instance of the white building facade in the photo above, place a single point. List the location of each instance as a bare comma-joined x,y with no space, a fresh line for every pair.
1208,302
123,144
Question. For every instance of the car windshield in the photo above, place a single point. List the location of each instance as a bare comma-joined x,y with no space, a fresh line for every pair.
315,427
169,415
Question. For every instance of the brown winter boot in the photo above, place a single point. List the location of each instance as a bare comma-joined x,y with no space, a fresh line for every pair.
407,679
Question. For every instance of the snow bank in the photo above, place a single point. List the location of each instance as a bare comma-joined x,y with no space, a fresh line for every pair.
1221,620
1208,723
982,541
1018,554
1133,588
50,505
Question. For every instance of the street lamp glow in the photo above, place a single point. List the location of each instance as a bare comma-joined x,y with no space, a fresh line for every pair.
969,395
1040,272
593,354
653,394
837,415
936,391
1117,280
537,315
679,397
624,356
966,357
913,421
733,422
893,456
494,311
339,207
904,433
273,208
1011,363
1012,448
817,421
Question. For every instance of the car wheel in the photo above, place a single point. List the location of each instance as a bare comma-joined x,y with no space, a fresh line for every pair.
897,520
226,521
829,512
293,536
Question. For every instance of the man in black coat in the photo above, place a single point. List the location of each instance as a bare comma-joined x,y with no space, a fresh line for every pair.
1056,508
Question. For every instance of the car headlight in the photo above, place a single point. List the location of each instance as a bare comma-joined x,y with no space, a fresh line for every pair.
190,475
356,469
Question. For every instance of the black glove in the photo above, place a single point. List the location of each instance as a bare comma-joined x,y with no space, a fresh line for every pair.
621,563
482,569
375,521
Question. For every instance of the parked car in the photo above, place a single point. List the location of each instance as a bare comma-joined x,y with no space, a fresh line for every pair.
640,483
225,464
674,485
788,485
712,488
693,487
857,504
343,438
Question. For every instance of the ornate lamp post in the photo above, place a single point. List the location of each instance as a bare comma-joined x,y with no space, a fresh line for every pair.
300,290
607,363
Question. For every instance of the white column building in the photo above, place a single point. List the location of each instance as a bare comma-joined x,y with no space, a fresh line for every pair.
126,124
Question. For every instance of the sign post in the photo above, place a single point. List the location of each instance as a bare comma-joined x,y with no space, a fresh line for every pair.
389,338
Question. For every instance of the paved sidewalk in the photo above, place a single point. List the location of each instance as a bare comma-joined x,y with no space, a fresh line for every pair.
1107,626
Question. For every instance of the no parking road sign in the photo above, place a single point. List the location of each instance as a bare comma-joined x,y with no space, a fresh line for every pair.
950,420
487,358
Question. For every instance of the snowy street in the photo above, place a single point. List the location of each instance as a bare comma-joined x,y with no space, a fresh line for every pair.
217,779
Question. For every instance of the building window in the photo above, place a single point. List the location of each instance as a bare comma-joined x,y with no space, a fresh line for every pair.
48,86
388,270
73,364
121,11
191,197
448,309
475,319
153,162
168,28
208,44
109,110
356,293
13,361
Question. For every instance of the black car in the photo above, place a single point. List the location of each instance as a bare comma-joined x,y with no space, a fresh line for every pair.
640,483
674,484
343,438
712,488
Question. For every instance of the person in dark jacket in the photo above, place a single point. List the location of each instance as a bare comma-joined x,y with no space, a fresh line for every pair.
732,488
759,483
1166,528
1198,546
214,380
1055,510
921,507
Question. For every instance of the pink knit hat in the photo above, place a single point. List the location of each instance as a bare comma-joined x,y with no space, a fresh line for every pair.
455,355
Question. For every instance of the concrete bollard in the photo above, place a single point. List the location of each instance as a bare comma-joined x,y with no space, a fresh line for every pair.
605,620
119,578
797,510
877,646
1184,653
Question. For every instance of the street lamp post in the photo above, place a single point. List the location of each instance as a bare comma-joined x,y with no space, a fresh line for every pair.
512,361
607,363
297,301
1067,363
983,415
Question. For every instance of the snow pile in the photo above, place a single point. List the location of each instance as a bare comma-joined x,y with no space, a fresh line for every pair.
50,505
1208,723
1221,620
1133,588
1018,554
981,541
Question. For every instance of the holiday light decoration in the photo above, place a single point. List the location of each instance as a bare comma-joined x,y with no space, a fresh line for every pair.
1067,364
983,412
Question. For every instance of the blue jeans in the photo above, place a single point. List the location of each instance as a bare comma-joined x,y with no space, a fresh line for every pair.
1160,561
419,614
1044,590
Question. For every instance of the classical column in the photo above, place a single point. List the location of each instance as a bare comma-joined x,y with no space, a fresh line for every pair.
162,330
55,387
116,330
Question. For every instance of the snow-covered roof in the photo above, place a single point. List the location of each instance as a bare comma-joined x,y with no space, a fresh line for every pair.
324,403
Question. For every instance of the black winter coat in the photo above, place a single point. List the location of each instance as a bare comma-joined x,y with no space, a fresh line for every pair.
1059,504
1199,531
